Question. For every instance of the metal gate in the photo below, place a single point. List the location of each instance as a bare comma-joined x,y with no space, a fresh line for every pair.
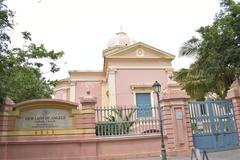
213,124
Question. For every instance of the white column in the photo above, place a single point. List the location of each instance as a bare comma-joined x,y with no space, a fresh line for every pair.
112,87
73,91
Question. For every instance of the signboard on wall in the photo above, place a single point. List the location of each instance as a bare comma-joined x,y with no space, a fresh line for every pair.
43,118
179,115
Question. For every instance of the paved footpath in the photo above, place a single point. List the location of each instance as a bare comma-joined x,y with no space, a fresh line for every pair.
221,155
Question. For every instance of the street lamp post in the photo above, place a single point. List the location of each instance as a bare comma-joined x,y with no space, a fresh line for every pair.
157,88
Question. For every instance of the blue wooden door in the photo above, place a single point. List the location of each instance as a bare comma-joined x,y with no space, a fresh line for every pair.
213,125
143,102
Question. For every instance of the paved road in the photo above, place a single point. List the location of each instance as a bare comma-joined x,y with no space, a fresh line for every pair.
225,155
221,155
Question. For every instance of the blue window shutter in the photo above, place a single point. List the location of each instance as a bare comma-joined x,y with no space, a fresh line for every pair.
143,102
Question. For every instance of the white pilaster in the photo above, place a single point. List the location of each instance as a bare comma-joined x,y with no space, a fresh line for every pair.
73,91
64,94
112,87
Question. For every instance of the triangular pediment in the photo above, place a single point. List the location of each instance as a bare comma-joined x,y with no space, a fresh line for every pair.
140,50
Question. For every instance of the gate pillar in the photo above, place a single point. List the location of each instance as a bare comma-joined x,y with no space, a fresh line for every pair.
234,95
86,120
176,120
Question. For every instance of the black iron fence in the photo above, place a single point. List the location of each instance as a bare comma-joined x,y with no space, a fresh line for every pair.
123,120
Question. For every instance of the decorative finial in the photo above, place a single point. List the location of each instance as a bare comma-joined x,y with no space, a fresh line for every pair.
121,28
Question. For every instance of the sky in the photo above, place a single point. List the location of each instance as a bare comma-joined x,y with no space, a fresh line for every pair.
82,28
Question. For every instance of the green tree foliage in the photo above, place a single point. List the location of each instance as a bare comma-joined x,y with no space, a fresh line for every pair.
217,54
20,68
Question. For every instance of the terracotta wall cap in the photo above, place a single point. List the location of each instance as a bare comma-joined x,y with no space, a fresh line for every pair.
44,101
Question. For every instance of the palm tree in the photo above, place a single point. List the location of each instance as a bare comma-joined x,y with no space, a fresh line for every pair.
207,73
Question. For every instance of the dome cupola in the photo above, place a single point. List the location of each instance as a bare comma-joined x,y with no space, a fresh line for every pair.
121,40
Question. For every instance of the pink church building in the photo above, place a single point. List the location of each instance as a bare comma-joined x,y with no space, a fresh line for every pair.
77,124
129,70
